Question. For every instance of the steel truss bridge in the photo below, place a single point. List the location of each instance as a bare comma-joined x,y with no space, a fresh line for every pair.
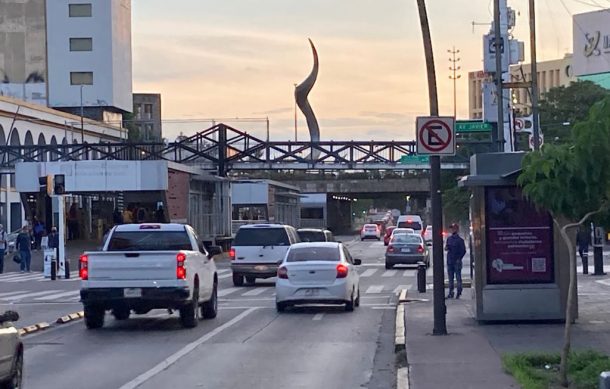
222,149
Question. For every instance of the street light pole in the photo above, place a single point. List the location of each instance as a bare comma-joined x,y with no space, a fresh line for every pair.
499,46
82,122
454,76
534,68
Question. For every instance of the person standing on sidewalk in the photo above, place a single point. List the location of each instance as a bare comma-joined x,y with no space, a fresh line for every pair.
583,239
3,246
24,245
456,249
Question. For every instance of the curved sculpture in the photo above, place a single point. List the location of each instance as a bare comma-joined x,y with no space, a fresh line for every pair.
300,94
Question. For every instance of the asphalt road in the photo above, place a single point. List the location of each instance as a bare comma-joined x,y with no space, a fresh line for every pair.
247,345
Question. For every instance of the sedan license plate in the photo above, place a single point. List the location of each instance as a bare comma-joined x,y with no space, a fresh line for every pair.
406,250
132,292
260,268
311,292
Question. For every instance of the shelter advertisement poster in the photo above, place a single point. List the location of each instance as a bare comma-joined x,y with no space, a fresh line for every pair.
519,239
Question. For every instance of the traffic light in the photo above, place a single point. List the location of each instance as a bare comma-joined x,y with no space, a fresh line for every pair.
59,184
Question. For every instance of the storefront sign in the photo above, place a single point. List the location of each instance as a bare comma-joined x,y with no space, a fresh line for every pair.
591,34
519,239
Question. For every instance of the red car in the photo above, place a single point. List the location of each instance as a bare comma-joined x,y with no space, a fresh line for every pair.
388,235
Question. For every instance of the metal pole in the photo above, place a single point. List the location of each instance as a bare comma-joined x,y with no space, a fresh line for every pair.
438,269
296,137
499,95
82,124
454,68
534,69
267,128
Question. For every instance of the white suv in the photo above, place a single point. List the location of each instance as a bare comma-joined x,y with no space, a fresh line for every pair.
11,352
259,249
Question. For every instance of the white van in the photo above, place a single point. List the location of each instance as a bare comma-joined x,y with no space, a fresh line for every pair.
258,250
411,221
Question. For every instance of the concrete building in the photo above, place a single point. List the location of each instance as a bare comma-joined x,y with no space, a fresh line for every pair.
551,74
54,52
147,116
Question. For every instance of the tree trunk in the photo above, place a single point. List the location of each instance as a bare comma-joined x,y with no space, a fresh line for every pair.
567,335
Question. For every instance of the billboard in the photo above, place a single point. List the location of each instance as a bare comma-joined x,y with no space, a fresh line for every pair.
591,35
519,239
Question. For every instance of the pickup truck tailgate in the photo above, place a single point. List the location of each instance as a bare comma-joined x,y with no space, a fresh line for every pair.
125,265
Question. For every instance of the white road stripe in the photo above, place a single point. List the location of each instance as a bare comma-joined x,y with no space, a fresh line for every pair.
223,276
11,293
368,272
9,275
142,378
401,287
374,289
409,273
226,292
72,293
255,292
23,277
318,316
28,295
389,273
222,271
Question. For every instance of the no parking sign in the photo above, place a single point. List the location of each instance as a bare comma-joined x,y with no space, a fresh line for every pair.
436,135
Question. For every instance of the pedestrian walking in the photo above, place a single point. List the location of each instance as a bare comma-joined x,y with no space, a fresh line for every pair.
38,232
24,246
456,249
3,247
128,215
583,239
53,238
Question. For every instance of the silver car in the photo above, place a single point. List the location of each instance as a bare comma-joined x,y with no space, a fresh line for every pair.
11,352
406,249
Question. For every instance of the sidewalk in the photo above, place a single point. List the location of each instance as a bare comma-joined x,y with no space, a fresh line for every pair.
73,251
470,356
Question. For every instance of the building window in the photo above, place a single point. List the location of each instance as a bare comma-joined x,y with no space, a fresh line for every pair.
137,110
82,10
81,78
148,131
148,111
81,44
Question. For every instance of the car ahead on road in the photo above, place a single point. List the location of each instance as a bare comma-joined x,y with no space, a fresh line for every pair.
411,221
388,235
258,250
370,231
428,235
318,273
398,231
406,249
149,266
315,235
11,352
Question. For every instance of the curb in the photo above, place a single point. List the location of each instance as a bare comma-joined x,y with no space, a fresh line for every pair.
400,340
45,326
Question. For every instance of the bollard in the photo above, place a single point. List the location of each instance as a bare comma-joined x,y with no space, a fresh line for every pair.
67,269
53,270
604,380
421,277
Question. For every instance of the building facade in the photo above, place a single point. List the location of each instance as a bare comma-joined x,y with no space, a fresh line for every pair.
68,54
147,116
475,94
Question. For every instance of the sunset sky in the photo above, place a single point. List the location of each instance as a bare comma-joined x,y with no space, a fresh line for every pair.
240,58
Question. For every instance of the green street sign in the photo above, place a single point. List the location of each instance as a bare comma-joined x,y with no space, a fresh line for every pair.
472,126
414,159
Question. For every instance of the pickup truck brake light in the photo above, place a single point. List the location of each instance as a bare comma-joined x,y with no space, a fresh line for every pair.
180,268
84,267
232,253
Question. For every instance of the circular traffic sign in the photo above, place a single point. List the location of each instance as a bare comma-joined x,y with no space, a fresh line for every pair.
519,124
435,135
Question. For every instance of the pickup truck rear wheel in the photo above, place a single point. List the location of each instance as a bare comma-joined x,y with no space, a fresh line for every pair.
238,280
121,313
188,313
209,309
251,280
94,317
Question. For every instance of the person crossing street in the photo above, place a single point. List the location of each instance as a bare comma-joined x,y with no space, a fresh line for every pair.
456,249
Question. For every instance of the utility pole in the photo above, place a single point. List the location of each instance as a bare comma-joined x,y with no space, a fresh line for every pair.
438,269
534,68
499,46
82,122
296,138
454,76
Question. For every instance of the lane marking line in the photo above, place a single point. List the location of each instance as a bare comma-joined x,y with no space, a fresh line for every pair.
226,292
374,289
368,273
72,293
172,359
389,273
318,316
255,291
28,295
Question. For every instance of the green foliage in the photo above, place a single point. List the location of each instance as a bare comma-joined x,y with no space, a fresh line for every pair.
538,370
569,104
573,179
456,201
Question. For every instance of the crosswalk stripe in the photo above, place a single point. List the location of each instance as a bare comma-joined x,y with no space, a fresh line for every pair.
223,276
409,273
226,292
222,271
71,293
255,292
389,273
11,293
401,287
35,277
27,295
374,289
368,272
9,275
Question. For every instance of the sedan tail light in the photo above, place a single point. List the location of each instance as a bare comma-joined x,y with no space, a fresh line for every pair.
180,268
282,273
232,253
390,249
342,271
420,249
83,271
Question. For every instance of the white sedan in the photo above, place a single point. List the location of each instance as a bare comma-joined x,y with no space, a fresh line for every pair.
370,231
11,352
318,273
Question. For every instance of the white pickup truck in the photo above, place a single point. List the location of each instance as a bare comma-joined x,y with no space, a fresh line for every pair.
149,266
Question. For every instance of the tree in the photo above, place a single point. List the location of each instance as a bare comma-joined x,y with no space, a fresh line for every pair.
456,201
563,106
572,182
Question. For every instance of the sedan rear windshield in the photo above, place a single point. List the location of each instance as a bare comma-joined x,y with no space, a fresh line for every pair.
149,240
406,238
261,237
312,236
414,225
305,254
